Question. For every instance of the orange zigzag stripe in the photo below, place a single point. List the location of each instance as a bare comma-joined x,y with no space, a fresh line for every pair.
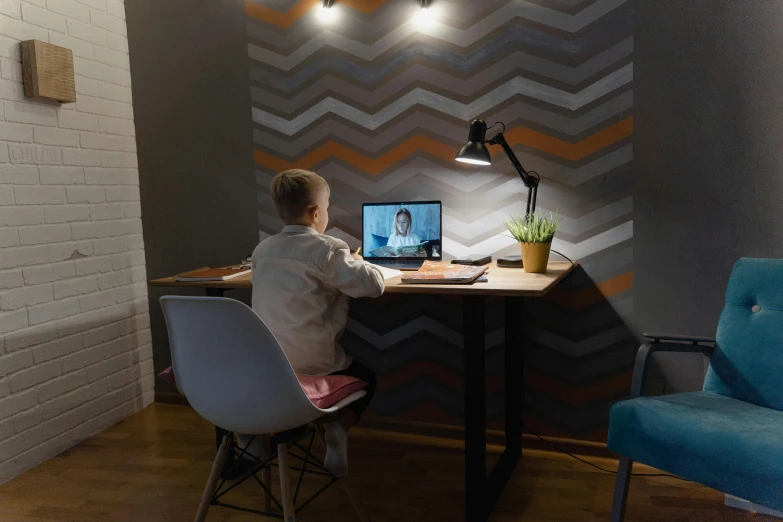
519,135
591,295
283,20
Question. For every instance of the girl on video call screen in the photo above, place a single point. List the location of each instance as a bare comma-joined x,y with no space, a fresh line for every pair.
402,230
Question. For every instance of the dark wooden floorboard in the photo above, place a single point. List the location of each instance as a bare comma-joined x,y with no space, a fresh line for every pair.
153,466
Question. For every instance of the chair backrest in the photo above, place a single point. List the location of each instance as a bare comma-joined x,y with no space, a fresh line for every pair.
748,359
231,368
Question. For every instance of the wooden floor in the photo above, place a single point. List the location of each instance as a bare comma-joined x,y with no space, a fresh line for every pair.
153,466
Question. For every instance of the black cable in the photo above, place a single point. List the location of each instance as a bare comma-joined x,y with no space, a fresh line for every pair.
567,259
498,123
561,450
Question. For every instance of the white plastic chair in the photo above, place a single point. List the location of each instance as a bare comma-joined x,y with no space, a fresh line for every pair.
233,372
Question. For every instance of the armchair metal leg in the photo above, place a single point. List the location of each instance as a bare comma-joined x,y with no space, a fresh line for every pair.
209,489
289,513
621,489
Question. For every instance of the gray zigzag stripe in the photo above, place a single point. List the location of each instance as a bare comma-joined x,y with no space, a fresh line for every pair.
575,228
443,104
463,207
463,204
447,81
550,361
462,38
571,349
590,43
448,127
501,242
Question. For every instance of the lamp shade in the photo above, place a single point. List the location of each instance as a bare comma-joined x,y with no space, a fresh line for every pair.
474,151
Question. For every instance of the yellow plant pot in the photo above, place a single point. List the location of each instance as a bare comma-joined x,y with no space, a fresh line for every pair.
535,257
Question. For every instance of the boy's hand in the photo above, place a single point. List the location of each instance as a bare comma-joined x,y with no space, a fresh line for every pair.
357,257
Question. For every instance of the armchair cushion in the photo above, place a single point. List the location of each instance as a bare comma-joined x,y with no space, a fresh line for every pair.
748,360
730,445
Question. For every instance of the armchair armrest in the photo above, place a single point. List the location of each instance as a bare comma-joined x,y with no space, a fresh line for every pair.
646,350
695,339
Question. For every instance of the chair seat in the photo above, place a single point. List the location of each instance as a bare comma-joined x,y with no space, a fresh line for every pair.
732,446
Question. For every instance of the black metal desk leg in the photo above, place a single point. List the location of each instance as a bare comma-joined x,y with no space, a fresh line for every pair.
220,432
514,352
475,409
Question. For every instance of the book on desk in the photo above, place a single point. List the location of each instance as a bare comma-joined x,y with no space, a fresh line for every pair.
442,273
212,274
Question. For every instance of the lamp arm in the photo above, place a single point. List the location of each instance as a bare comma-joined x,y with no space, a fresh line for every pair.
531,182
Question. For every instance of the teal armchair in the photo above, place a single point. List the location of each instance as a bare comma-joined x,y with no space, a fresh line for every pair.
729,436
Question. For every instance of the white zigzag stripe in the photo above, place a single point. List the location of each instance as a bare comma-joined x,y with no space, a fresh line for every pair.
384,341
570,226
420,324
576,251
477,179
419,96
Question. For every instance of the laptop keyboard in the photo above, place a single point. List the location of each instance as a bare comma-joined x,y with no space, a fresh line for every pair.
399,263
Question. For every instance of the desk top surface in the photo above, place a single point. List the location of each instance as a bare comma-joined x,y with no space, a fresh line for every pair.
501,282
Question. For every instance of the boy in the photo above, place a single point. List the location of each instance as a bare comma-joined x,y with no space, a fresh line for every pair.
302,283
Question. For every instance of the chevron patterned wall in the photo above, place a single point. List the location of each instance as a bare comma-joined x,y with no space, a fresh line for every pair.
378,102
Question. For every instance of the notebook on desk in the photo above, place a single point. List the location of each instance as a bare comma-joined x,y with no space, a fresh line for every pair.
402,235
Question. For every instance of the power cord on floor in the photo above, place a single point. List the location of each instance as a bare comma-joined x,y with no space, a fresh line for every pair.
561,450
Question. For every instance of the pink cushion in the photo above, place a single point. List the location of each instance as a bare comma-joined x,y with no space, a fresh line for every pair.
326,391
168,375
323,391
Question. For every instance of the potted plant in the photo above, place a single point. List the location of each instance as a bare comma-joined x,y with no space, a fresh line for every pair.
534,233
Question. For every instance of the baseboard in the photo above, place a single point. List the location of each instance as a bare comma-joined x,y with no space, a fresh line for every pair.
171,398
746,505
494,437
384,427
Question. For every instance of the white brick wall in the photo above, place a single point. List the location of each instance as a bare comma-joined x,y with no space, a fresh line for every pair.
75,347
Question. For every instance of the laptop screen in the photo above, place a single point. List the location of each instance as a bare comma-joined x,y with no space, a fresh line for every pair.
402,230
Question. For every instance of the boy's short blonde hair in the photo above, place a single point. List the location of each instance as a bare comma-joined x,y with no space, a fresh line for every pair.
296,191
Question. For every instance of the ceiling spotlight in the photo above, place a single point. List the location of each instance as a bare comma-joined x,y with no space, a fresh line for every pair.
325,13
425,15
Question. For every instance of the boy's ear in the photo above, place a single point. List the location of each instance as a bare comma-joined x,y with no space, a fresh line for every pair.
314,212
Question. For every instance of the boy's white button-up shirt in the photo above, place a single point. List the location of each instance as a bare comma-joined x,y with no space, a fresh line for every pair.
302,282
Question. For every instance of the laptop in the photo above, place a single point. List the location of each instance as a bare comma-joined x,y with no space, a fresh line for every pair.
402,235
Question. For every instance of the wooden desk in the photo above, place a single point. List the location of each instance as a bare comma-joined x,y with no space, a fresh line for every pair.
505,282
513,284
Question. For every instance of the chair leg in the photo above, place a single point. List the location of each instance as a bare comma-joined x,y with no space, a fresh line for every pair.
621,489
209,490
289,514
344,482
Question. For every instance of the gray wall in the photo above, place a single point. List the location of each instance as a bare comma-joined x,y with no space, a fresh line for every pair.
708,156
191,95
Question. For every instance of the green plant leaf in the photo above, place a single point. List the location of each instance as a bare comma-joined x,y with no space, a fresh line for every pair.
534,228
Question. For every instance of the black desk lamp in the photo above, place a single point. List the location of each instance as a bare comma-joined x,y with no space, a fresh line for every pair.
475,151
